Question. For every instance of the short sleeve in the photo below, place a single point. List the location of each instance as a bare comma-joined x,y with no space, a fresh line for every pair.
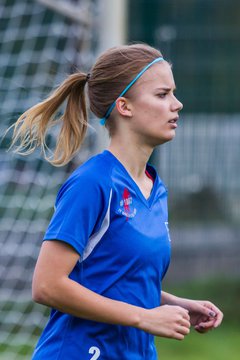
80,208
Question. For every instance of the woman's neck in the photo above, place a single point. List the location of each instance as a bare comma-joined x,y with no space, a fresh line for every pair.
133,157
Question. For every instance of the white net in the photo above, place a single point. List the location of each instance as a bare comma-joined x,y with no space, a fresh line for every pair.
41,43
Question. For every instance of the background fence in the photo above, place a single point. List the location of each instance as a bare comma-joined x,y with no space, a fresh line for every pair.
204,196
40,45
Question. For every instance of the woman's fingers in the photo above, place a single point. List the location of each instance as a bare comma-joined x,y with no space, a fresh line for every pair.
179,336
183,326
215,313
184,330
205,326
218,318
185,314
185,323
200,329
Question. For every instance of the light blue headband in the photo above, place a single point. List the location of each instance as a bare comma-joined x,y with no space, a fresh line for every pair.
110,109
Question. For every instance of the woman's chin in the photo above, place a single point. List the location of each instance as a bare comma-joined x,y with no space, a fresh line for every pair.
168,137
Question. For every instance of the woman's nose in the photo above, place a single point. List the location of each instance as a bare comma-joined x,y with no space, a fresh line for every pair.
177,105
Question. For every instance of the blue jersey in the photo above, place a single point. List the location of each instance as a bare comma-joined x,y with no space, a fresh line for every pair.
124,246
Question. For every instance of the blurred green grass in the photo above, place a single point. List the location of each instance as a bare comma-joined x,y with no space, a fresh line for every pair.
219,344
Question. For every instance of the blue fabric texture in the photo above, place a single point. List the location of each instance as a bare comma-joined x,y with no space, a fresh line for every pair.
124,246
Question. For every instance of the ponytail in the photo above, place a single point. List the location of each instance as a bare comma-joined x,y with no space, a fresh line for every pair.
32,126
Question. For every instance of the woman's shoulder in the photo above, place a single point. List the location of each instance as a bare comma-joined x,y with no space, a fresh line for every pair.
91,176
96,169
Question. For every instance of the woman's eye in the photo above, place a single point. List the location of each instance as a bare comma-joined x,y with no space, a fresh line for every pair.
162,95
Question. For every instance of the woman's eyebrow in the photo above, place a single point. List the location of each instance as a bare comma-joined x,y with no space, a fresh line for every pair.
166,88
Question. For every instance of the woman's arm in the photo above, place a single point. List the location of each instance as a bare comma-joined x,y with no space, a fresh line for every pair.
53,287
204,315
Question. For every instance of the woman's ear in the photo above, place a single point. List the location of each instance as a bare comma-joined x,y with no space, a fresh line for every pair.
123,107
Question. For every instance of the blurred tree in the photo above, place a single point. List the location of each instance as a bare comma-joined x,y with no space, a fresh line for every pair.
201,37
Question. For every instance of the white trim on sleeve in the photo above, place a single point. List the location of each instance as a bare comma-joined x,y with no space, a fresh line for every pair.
95,238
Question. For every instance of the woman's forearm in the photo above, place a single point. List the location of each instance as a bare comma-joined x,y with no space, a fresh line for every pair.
169,299
69,297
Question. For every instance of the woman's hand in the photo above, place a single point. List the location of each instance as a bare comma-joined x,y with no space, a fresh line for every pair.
204,315
166,321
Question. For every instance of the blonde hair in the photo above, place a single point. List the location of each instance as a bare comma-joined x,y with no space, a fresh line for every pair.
112,72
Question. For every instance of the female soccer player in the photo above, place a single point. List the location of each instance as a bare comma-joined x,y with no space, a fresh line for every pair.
107,247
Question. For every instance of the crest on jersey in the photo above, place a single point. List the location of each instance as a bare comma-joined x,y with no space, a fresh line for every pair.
126,205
